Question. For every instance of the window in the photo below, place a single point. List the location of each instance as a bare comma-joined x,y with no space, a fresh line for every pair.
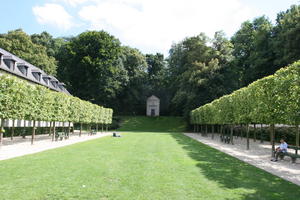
61,87
46,80
54,83
23,69
37,75
7,63
10,63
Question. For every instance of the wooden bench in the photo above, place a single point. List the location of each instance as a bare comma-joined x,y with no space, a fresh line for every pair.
61,135
294,147
93,132
293,156
225,138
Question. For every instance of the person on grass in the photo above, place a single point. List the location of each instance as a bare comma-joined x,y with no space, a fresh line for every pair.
280,150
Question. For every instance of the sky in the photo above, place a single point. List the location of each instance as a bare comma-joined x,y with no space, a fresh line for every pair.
148,25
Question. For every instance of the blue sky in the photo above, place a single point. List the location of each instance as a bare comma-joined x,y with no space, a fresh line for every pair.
149,25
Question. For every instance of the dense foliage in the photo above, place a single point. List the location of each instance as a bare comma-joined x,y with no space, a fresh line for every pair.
20,44
91,67
198,71
22,100
270,100
97,68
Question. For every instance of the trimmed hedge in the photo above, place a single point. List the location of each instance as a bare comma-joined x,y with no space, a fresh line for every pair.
22,100
271,100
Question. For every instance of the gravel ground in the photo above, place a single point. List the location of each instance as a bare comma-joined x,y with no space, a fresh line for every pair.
259,155
19,146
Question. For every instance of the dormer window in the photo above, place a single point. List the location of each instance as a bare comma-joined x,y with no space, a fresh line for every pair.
9,62
61,86
37,75
54,84
46,79
1,58
23,68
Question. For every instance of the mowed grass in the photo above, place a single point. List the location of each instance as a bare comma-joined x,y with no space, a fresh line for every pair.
152,124
139,165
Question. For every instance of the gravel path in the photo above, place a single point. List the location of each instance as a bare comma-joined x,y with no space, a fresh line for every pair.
259,155
19,146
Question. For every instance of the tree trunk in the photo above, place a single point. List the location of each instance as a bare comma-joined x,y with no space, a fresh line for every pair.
231,134
24,129
53,131
69,129
97,128
106,127
297,137
80,130
272,136
1,133
221,130
241,131
254,133
33,132
101,128
213,131
205,130
247,132
12,130
90,129
50,129
201,131
194,128
261,133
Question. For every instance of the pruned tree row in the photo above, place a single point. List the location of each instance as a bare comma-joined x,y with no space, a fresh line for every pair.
20,100
271,100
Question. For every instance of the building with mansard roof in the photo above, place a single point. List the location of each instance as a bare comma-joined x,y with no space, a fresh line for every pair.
16,66
13,65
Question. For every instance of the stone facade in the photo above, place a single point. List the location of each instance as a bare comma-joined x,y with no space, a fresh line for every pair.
153,104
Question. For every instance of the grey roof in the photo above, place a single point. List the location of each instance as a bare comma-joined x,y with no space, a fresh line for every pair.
153,98
34,74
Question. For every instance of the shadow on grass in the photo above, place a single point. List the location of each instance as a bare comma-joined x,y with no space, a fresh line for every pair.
232,173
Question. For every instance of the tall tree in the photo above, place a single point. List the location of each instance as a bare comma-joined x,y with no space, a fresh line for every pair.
253,50
20,44
243,41
91,67
157,80
287,37
132,98
52,44
262,56
195,71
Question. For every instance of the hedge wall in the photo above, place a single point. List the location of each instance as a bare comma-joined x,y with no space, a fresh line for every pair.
22,100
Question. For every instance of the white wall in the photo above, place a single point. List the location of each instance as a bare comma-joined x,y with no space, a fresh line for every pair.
20,123
153,104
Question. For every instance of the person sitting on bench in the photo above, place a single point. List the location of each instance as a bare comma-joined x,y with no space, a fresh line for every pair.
280,150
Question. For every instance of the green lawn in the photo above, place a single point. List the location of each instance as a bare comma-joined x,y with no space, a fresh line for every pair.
139,165
153,124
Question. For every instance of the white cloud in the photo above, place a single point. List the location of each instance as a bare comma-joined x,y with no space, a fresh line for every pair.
72,2
53,14
155,24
